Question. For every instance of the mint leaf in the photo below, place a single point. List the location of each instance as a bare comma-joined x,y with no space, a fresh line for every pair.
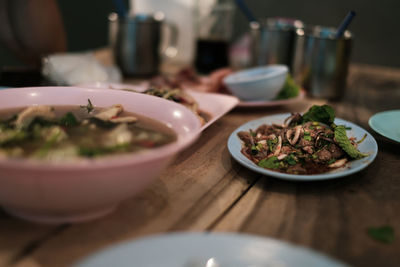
269,163
324,114
345,144
383,234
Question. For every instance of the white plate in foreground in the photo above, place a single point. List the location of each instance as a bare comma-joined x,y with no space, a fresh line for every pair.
369,146
200,249
216,105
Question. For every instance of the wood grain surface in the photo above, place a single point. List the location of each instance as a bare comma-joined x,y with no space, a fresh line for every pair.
206,190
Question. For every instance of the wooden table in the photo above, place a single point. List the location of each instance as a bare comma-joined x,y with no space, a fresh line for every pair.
206,190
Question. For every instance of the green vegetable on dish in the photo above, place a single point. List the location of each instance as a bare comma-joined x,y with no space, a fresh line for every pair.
345,144
269,163
91,152
291,160
324,114
384,234
69,120
289,90
54,137
10,136
271,144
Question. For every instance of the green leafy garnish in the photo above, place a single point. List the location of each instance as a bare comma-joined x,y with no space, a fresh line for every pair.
12,136
69,120
383,234
324,114
254,150
41,122
269,163
53,139
5,124
101,123
91,152
331,161
291,160
271,143
89,107
362,139
289,90
345,144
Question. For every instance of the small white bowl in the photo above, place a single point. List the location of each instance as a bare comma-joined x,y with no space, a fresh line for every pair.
260,83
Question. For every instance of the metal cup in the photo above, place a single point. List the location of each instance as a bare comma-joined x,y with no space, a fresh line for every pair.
136,43
321,61
273,41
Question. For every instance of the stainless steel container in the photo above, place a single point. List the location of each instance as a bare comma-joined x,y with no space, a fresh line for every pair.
273,41
136,43
321,61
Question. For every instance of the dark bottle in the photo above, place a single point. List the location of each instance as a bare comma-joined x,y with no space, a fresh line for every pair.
211,55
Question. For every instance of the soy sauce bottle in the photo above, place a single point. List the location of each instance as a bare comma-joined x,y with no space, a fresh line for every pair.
214,23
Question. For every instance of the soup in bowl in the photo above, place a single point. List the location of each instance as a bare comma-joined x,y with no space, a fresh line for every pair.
72,154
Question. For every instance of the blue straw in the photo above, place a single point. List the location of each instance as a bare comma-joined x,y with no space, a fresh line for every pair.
246,11
346,22
120,8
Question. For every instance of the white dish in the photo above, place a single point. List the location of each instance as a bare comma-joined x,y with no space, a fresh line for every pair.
271,103
216,105
368,146
387,123
257,83
198,249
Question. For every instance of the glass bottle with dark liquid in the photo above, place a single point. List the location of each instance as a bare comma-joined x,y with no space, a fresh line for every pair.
214,21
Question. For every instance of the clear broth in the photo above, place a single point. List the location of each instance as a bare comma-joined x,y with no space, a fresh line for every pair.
92,139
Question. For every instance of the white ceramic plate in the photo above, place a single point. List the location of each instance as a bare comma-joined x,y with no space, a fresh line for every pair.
216,105
271,103
387,123
368,146
200,249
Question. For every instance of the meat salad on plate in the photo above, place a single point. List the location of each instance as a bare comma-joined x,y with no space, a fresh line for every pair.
304,144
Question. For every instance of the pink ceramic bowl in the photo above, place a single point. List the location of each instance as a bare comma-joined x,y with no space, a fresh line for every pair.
87,189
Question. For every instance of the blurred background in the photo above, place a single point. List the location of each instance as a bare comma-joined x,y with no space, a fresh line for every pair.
376,26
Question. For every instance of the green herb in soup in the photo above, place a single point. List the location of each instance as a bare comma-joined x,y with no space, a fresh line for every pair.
66,132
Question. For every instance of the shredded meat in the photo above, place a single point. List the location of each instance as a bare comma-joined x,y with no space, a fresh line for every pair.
324,155
336,151
246,137
266,129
